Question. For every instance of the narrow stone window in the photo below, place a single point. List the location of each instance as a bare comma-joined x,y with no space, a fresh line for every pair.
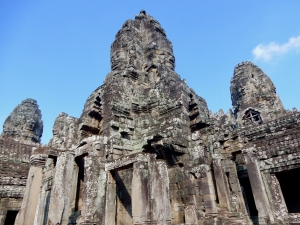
252,116
10,217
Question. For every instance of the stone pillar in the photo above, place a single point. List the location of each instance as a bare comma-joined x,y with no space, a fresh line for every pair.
94,191
42,206
111,198
237,199
89,191
101,194
207,190
191,198
41,214
27,212
59,209
74,186
140,194
3,213
160,202
190,215
276,197
221,181
257,185
42,210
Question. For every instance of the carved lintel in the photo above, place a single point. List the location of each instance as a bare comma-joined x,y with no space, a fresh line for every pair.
129,159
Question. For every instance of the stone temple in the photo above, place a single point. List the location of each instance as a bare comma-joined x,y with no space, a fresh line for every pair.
147,151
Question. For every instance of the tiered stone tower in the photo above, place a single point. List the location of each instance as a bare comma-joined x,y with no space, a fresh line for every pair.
252,90
22,131
143,104
146,150
24,123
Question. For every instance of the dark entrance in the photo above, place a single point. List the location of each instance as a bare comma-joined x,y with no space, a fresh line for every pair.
80,183
248,196
290,186
10,217
123,179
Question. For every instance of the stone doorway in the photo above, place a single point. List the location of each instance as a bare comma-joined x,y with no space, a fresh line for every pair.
249,198
80,184
290,187
123,179
10,217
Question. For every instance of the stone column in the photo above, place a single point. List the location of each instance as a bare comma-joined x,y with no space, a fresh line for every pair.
74,186
60,201
221,181
276,197
94,191
190,214
42,210
101,194
237,199
111,197
207,189
160,202
3,213
257,185
191,199
27,212
140,194
41,214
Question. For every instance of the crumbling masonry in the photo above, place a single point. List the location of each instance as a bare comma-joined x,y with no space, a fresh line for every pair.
146,149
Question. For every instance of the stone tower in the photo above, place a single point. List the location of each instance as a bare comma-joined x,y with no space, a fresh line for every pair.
24,123
22,131
143,103
146,150
253,95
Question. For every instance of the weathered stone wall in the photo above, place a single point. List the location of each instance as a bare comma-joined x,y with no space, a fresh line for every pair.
22,131
146,149
14,167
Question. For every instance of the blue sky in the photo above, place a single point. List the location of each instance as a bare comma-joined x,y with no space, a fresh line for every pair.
58,51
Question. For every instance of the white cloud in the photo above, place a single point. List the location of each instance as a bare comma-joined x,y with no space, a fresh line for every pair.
267,52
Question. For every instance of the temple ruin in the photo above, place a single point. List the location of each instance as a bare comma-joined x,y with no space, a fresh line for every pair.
147,151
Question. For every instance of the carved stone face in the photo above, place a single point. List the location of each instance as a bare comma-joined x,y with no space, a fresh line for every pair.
64,132
29,125
118,60
58,126
24,123
161,58
170,62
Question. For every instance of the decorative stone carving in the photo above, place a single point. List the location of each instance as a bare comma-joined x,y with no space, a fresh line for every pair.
65,131
25,123
252,89
146,149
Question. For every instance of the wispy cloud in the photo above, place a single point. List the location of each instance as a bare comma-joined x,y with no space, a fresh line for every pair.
267,52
